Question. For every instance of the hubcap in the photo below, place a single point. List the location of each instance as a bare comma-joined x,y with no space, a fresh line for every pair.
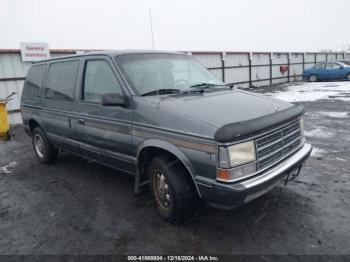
39,145
162,190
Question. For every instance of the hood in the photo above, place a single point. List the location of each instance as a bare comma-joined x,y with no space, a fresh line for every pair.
223,115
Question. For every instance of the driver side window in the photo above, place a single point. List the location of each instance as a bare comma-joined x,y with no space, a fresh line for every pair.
320,66
99,79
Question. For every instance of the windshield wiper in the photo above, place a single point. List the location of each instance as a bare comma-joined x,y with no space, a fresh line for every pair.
202,86
205,85
162,91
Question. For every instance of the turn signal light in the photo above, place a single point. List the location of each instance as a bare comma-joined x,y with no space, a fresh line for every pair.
223,174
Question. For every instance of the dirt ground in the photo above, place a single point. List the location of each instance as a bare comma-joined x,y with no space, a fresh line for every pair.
79,207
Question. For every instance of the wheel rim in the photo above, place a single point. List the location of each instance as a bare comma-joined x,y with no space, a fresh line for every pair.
162,190
313,78
348,77
39,145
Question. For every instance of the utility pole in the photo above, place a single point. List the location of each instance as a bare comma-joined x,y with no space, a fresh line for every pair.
150,20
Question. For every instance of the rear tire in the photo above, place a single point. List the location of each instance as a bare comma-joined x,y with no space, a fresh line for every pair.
43,149
173,191
313,78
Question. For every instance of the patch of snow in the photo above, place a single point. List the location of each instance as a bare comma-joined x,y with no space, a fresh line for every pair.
5,169
334,114
340,159
317,152
319,133
308,92
345,99
297,96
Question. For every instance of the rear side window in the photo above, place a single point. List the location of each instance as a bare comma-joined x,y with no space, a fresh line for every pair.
61,79
99,79
34,81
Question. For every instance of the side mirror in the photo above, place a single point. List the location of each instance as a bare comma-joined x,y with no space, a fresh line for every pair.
113,99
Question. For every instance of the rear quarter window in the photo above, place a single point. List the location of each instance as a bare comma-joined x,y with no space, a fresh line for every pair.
33,85
60,81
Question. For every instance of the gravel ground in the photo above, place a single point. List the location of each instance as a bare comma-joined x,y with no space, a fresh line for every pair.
77,207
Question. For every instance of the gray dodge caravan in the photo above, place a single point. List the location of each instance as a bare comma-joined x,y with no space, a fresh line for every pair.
165,119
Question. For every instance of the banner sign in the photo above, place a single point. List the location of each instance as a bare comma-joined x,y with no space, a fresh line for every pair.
31,52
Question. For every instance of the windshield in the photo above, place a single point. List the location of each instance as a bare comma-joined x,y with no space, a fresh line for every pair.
345,63
149,72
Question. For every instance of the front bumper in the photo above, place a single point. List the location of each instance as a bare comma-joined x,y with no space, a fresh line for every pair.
229,196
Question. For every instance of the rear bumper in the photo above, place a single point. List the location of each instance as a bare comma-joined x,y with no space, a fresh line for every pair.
228,196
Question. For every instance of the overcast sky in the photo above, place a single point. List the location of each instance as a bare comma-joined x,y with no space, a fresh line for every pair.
236,25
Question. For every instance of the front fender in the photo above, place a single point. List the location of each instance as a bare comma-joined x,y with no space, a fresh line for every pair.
174,150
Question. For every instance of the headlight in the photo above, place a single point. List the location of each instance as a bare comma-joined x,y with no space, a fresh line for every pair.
236,155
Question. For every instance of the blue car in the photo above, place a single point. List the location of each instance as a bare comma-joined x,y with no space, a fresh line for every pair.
327,71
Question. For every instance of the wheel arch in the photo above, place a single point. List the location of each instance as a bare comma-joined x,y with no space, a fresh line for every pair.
347,74
313,74
33,123
153,147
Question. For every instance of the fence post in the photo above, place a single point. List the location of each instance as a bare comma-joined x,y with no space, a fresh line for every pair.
271,68
288,67
223,57
303,62
250,68
326,57
315,58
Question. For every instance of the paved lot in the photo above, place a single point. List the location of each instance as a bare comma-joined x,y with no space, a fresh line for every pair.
77,207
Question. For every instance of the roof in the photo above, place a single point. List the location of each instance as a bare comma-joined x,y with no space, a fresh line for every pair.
111,53
73,51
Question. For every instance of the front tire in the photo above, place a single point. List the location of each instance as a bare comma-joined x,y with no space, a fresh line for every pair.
173,191
43,149
348,77
313,78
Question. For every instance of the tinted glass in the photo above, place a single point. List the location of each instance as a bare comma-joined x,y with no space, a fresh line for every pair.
34,81
61,79
150,72
99,79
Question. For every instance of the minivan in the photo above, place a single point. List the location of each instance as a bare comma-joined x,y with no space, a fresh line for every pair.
165,119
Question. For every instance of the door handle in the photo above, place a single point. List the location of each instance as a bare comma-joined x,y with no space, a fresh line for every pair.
81,121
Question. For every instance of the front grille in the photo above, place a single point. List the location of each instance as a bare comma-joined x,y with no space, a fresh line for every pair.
276,145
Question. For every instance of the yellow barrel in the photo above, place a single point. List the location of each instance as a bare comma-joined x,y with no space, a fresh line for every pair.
4,123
